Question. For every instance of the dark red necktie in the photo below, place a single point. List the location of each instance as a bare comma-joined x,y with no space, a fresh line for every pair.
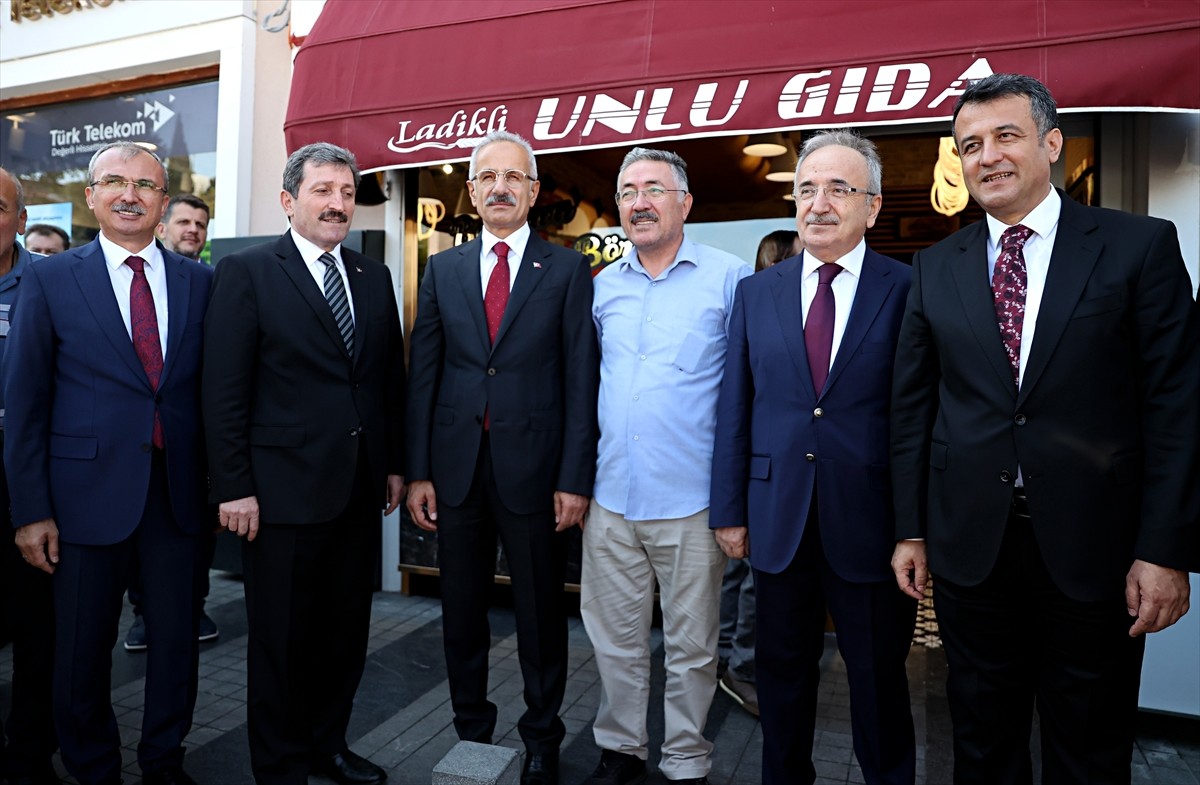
818,330
495,300
143,324
1009,283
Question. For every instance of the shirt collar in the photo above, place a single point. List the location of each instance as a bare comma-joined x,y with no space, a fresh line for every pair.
1041,219
852,262
688,252
516,241
115,255
309,252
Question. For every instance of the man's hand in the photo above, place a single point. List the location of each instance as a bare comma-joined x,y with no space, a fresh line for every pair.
240,516
1156,596
570,509
422,505
38,542
734,540
912,571
395,493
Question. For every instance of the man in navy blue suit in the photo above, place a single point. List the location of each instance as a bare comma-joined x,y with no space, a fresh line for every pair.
106,461
800,470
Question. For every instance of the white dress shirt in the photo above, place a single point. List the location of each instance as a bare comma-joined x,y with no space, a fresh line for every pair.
845,285
121,277
312,258
487,255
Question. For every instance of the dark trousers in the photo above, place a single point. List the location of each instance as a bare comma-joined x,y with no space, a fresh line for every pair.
27,606
1016,641
208,546
88,585
308,605
874,632
537,566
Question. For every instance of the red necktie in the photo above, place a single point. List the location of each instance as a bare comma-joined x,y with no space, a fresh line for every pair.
143,324
495,299
818,330
1009,282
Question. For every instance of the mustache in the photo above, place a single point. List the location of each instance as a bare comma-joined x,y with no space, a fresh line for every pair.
333,215
643,215
128,207
505,198
826,219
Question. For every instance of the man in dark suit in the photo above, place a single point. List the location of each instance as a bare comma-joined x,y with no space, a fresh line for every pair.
1044,450
502,440
105,460
303,403
800,468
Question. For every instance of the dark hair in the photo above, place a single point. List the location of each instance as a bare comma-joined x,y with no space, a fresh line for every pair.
775,247
319,153
48,229
191,200
996,86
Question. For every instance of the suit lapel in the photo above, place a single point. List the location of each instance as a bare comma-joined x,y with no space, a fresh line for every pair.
91,273
178,297
1071,264
529,276
786,291
872,291
360,296
975,292
469,284
294,268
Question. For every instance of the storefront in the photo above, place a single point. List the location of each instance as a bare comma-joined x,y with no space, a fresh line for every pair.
410,87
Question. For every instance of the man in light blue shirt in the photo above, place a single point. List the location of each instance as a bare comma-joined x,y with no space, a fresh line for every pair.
661,315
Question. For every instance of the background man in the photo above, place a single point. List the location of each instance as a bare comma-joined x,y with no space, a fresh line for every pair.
106,461
661,314
502,440
46,239
183,229
1051,473
801,457
26,602
303,398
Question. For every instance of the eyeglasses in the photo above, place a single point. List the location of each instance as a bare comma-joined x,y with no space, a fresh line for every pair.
807,193
512,177
654,194
115,186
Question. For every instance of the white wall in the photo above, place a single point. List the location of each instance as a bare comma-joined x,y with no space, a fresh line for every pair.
1174,187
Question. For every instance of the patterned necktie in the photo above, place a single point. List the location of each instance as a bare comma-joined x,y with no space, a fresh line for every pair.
335,293
1009,282
143,324
495,297
818,330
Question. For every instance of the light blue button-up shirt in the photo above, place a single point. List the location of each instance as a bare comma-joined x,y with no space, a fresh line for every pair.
662,354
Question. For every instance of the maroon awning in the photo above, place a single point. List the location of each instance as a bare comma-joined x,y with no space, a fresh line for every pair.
412,82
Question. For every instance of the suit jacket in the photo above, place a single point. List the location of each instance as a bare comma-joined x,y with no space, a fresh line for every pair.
538,382
1104,427
778,440
80,409
285,406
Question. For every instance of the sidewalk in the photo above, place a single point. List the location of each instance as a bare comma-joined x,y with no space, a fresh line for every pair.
402,717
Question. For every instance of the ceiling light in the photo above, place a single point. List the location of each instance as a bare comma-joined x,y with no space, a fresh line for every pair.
783,169
765,145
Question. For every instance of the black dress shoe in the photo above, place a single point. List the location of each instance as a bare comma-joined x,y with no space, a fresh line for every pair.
347,768
172,775
617,768
540,769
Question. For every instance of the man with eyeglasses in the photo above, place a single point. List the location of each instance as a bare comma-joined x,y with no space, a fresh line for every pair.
502,441
661,314
800,474
106,462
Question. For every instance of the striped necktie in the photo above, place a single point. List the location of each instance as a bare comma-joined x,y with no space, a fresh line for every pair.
335,293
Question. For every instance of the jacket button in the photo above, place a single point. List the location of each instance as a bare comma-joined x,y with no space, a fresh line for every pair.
1005,476
818,412
491,371
810,457
146,447
1019,419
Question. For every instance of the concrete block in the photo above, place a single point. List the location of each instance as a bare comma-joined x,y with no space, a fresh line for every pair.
468,763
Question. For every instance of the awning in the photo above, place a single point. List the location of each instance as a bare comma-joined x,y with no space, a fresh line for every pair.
412,82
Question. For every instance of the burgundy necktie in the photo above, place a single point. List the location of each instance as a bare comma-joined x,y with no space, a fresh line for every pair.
818,330
1009,282
495,299
143,324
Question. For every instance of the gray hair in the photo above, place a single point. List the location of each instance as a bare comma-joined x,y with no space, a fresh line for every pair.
503,136
128,150
991,88
16,181
843,138
319,153
677,164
